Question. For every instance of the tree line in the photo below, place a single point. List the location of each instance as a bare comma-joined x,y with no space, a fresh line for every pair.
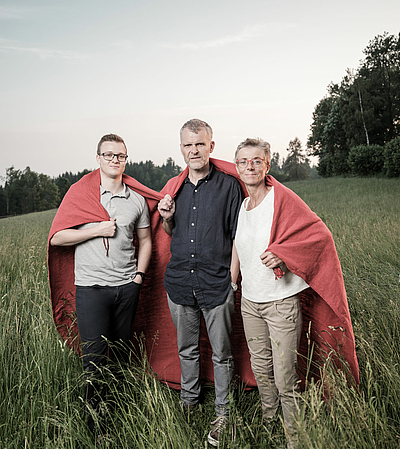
26,191
295,167
356,126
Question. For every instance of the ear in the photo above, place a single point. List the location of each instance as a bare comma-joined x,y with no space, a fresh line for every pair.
212,146
268,167
98,158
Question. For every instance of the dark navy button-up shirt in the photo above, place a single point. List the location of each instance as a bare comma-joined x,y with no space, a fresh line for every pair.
201,246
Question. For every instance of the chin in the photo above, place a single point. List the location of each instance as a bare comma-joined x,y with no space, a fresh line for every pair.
196,165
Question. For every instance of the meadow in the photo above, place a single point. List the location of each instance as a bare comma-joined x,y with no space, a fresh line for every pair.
40,378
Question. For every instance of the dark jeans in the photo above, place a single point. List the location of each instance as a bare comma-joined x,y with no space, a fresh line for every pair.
105,315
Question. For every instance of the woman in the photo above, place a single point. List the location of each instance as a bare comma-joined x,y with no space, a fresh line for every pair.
270,306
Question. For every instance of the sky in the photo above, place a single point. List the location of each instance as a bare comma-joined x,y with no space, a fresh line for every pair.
72,71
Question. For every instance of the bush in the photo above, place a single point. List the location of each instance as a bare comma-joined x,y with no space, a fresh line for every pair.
365,160
333,165
391,165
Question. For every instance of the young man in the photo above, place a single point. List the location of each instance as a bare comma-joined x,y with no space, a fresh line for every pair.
202,222
108,273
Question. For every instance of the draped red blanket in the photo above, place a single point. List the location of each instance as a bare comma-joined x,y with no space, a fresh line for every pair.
310,254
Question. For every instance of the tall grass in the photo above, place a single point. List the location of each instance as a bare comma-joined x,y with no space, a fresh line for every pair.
40,378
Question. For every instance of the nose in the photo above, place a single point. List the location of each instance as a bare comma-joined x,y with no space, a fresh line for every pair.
114,156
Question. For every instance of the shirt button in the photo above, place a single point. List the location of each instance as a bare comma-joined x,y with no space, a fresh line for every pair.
192,271
192,240
195,191
192,255
192,224
194,207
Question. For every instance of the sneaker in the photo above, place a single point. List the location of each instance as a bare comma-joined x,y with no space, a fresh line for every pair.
219,427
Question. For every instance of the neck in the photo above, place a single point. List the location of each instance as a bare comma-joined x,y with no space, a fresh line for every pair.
114,185
196,175
256,195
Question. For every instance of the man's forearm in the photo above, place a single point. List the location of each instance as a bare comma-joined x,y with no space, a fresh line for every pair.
70,237
145,248
168,225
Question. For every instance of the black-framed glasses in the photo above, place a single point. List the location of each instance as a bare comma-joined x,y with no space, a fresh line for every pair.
110,156
256,162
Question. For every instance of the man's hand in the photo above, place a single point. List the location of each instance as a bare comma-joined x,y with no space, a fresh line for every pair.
106,228
270,260
166,207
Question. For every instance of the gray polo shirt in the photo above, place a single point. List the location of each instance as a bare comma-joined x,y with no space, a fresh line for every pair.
94,264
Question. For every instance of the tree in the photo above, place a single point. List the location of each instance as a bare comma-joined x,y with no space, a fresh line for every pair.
151,175
12,190
392,158
363,110
28,191
3,209
63,185
275,162
48,193
382,66
296,163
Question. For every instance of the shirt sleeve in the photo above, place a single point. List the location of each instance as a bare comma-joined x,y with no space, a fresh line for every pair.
144,218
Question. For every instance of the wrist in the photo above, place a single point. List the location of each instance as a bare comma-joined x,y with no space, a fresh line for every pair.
140,275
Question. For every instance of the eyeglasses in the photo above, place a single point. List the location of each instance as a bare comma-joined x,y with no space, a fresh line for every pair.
110,156
256,162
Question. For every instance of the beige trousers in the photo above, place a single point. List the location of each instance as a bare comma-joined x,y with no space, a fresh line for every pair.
273,332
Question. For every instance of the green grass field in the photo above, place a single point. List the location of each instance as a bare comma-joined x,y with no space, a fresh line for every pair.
40,403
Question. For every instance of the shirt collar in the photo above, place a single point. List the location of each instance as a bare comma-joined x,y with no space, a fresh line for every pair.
124,193
206,178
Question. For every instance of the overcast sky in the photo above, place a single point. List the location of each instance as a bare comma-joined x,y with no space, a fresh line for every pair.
72,71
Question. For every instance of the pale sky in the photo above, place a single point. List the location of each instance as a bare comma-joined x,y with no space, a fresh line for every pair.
72,71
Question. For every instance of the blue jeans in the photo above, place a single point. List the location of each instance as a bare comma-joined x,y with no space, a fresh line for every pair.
219,329
105,314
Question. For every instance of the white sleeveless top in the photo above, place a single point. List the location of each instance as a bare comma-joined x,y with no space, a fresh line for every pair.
252,239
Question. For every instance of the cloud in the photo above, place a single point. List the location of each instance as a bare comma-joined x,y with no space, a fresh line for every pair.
43,53
245,35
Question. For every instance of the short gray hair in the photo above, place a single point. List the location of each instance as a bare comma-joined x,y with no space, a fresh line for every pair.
257,143
195,125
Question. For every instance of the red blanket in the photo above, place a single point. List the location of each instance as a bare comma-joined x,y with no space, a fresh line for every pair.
153,322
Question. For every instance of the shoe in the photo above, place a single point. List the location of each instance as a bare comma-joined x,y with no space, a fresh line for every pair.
188,408
219,427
